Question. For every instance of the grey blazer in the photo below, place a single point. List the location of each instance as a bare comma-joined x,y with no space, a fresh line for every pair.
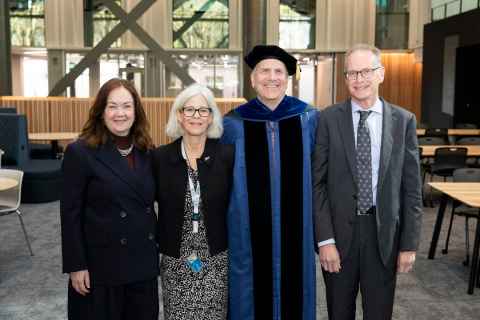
398,192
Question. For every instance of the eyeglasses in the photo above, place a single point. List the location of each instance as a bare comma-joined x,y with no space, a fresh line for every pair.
202,111
365,73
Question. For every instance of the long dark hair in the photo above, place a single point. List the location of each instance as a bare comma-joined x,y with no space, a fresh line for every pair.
95,132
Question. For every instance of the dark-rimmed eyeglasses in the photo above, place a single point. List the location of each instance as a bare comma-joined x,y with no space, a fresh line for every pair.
202,111
365,73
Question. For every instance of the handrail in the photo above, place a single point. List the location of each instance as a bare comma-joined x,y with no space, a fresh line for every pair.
445,6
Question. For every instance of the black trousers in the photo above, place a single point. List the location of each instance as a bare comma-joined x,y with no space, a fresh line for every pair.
133,301
363,269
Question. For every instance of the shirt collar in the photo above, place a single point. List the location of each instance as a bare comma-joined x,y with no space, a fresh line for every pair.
377,107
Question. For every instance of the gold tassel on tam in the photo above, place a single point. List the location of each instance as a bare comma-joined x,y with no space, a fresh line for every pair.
297,72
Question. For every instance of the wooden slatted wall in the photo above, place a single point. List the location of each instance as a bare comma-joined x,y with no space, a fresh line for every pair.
56,114
402,85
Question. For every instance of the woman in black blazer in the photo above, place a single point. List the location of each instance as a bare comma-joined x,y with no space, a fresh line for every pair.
193,178
108,223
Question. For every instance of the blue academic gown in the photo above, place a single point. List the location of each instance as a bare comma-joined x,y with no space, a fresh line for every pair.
270,221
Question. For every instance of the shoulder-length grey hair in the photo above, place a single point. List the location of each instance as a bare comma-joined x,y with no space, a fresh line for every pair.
174,129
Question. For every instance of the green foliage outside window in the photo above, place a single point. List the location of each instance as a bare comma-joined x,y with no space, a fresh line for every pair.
200,24
27,23
297,24
103,22
391,24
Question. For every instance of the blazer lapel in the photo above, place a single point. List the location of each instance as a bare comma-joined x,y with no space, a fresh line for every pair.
142,169
108,155
204,165
345,124
387,142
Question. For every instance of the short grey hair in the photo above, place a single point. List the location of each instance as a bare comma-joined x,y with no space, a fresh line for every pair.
174,129
364,47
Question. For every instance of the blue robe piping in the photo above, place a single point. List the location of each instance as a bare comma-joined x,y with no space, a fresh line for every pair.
241,273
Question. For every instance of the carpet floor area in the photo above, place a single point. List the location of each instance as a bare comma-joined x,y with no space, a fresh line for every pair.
34,288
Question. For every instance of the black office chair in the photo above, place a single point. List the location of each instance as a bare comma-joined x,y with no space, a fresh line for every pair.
447,159
468,141
37,150
459,209
431,141
472,141
426,162
8,109
439,133
42,179
465,126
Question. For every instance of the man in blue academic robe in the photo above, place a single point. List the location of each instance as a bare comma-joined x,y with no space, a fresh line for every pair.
271,240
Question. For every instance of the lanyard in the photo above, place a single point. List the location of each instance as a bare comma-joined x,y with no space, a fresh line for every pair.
194,193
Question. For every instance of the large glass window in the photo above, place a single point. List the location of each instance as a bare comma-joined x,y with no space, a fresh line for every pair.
35,76
200,24
315,85
297,24
103,22
442,9
27,23
391,30
220,72
81,88
128,66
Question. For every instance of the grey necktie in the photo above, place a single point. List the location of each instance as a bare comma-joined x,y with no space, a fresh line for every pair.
364,164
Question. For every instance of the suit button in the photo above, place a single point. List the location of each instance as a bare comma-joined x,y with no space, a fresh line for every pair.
151,236
350,222
123,241
149,210
355,197
123,214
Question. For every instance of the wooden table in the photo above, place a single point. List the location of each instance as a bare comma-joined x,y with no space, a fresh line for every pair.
7,183
429,151
455,132
469,194
53,137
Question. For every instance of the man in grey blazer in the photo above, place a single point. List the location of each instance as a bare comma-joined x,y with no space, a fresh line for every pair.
366,190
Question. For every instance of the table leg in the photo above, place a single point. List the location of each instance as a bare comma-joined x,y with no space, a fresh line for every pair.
474,266
438,226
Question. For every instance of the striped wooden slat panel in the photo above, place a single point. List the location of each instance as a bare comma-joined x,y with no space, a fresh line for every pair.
402,84
62,115
225,105
157,111
37,111
81,108
341,89
58,114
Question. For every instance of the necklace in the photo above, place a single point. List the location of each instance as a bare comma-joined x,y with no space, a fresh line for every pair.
125,152
185,151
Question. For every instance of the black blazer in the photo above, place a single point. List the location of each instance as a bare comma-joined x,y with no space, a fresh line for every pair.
107,216
215,170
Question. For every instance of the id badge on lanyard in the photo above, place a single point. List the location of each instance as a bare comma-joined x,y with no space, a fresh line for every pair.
195,193
194,262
